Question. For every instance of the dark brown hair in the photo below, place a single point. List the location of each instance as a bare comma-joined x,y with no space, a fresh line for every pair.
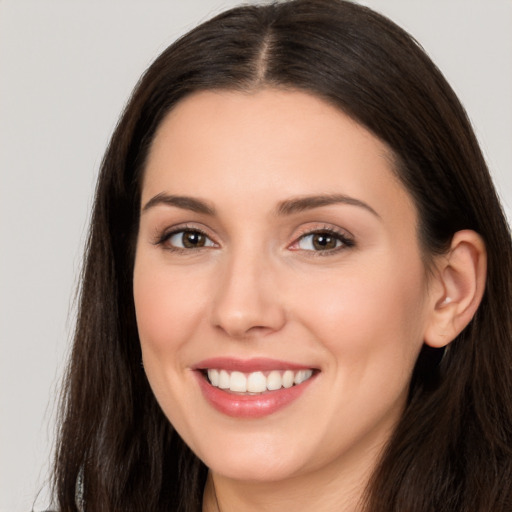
452,450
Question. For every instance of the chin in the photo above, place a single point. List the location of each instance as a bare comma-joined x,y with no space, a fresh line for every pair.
255,469
255,458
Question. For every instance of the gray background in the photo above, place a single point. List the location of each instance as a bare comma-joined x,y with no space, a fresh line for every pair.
66,70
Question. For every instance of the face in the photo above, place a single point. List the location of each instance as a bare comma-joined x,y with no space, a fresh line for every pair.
280,293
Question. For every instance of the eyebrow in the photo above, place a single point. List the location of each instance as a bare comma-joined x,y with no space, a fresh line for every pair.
287,207
183,202
300,204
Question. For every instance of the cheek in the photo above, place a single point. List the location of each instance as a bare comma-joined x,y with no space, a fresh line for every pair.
372,314
168,310
168,307
371,323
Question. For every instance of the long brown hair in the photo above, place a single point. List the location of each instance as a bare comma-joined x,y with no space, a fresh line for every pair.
452,450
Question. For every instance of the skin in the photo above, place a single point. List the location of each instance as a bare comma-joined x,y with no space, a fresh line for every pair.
358,313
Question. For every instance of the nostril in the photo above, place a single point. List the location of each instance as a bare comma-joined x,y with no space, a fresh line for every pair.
242,332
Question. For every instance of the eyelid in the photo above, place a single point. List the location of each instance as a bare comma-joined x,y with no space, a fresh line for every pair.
162,236
346,238
343,235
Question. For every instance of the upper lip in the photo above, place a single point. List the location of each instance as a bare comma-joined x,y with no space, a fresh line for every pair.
248,365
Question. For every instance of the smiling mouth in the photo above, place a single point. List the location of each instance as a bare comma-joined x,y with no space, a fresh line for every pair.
256,382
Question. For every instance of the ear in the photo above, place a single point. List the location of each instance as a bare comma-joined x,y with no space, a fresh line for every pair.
459,286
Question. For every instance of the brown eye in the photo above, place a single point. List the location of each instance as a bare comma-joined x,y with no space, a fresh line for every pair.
192,239
323,241
189,239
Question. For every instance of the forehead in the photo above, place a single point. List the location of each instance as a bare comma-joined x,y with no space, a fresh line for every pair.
269,143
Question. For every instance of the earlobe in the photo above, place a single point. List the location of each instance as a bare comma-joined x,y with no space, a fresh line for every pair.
460,284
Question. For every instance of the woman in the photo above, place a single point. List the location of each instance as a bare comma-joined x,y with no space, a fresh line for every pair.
296,234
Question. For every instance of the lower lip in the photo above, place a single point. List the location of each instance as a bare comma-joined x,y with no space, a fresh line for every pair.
250,406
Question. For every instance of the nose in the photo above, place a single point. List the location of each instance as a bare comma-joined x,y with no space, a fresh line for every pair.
247,302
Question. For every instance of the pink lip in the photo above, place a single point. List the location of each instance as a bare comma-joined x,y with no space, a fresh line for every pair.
249,406
248,365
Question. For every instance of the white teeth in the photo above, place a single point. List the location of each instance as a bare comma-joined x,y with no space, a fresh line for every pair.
223,379
238,382
274,381
257,382
288,378
213,375
302,375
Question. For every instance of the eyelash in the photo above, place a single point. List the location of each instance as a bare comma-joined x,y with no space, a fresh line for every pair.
167,235
346,241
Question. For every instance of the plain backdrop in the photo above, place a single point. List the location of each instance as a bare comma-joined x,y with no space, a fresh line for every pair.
66,70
